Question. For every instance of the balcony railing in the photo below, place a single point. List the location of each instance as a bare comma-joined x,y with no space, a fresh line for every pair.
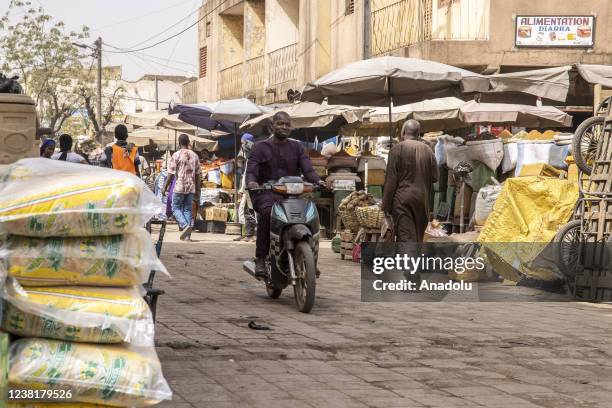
238,80
400,24
255,73
230,81
283,65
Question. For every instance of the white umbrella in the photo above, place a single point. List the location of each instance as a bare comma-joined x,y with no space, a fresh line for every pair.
386,81
236,111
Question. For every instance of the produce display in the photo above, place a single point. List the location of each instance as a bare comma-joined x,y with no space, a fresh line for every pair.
348,206
83,314
117,260
98,374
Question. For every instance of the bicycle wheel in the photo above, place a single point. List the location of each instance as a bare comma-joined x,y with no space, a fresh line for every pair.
568,248
584,144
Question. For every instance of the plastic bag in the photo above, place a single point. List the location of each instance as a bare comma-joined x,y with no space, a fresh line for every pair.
42,198
530,152
98,374
484,203
116,260
510,156
83,314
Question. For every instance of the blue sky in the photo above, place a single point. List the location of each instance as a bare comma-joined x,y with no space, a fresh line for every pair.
127,23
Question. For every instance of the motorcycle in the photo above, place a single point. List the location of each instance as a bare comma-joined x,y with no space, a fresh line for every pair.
294,242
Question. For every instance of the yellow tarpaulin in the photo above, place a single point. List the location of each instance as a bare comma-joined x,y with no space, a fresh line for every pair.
529,210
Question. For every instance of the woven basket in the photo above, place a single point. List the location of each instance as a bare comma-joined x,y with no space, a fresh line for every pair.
370,217
350,220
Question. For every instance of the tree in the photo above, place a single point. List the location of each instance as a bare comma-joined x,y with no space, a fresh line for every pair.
41,52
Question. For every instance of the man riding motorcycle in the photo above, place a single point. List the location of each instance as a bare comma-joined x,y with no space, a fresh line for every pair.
276,157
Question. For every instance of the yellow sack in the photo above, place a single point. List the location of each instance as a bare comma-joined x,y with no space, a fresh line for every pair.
54,405
42,198
116,260
4,363
526,216
83,314
96,374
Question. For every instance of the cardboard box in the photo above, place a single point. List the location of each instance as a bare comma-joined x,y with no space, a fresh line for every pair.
215,214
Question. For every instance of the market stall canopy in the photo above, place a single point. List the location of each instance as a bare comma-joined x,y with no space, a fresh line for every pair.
308,115
517,115
596,74
162,119
432,114
145,119
548,83
404,80
235,110
165,139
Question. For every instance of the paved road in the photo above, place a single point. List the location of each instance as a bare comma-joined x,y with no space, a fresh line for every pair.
352,354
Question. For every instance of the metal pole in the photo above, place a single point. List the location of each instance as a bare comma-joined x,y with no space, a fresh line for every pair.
98,44
236,168
156,94
367,27
390,112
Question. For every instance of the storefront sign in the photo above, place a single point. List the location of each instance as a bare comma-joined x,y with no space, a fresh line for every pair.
554,31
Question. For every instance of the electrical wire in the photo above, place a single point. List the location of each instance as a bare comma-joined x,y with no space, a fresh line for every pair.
129,20
126,51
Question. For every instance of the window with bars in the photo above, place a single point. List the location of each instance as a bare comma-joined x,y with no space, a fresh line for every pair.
203,61
208,29
349,7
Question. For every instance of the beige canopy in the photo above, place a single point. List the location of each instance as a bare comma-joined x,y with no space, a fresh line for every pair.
162,119
548,83
518,115
165,139
308,115
433,114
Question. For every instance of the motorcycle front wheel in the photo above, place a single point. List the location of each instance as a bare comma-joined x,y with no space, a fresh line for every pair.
305,284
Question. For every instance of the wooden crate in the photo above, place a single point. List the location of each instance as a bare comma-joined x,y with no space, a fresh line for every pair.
215,214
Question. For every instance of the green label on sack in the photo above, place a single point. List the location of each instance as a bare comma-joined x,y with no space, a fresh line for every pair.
110,383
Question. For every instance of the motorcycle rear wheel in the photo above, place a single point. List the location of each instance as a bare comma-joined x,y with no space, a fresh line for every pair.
305,270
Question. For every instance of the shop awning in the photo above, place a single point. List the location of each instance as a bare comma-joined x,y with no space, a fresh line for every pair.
518,115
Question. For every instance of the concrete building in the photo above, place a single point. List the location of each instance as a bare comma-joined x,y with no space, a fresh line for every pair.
265,49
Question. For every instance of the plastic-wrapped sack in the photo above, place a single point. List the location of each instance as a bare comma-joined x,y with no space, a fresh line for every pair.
97,374
12,404
4,362
116,260
43,198
558,154
83,314
510,156
532,151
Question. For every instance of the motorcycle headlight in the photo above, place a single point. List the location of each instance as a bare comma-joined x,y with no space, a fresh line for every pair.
311,213
280,214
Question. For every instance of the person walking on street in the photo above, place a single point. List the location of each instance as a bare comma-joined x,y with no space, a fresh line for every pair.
276,157
184,167
47,148
411,171
65,153
122,155
246,214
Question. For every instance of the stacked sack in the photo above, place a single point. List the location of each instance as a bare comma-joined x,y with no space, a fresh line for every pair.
76,255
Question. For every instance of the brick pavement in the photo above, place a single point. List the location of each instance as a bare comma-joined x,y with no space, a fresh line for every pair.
352,354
